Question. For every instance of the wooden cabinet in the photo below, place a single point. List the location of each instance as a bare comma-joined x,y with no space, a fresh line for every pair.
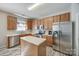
11,23
29,24
29,48
41,22
38,22
61,18
50,22
11,41
56,18
65,17
49,40
35,23
45,23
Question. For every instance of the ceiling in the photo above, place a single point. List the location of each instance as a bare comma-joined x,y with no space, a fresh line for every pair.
40,11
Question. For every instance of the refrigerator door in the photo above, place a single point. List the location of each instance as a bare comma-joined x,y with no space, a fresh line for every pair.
65,38
62,34
55,29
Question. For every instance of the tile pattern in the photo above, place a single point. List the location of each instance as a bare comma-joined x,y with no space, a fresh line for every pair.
51,52
15,51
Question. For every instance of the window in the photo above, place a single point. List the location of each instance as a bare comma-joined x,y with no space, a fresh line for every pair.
21,25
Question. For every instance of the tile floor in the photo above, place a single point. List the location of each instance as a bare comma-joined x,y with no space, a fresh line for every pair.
15,51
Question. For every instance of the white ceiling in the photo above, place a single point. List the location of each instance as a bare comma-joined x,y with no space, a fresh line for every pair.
40,11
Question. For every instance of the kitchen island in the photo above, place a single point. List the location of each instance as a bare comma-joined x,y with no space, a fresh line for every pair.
33,46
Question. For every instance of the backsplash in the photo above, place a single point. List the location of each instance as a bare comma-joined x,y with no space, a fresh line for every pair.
13,32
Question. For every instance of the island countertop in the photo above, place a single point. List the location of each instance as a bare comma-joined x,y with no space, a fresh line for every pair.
34,40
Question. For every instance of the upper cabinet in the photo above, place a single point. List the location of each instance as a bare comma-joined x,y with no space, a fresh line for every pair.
29,24
65,17
41,22
50,23
38,22
45,23
11,23
35,23
56,18
61,18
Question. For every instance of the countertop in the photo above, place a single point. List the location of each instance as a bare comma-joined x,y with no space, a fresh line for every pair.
34,40
12,34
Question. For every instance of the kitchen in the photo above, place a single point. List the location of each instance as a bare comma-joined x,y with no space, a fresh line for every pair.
48,30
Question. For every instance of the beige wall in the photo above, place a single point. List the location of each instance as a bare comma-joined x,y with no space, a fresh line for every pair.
3,29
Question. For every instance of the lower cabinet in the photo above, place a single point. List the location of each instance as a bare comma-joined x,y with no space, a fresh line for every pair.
12,41
30,49
49,40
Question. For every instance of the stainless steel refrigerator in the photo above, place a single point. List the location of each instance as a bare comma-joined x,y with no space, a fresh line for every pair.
63,37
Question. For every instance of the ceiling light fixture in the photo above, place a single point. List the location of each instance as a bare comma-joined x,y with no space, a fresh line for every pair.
34,6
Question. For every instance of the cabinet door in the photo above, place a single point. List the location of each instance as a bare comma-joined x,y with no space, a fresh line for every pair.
29,24
65,17
11,23
45,23
49,40
56,18
50,22
38,22
35,23
41,22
